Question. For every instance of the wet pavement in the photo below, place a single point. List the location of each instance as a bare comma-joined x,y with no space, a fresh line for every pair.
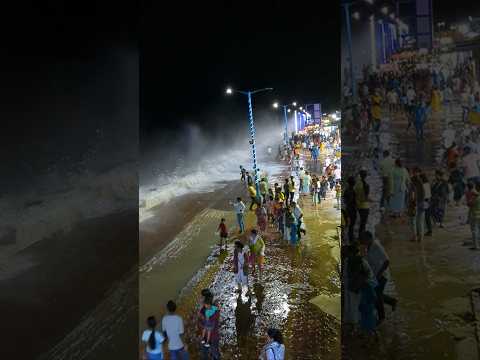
292,278
431,280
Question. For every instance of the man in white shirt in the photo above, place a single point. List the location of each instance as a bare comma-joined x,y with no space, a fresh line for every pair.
471,165
386,167
172,326
239,207
449,136
379,262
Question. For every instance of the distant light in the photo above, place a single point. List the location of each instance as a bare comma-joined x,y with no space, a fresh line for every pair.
385,10
294,103
356,15
275,105
301,108
288,110
229,91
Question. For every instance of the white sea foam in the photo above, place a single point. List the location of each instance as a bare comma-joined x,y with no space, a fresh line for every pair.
210,174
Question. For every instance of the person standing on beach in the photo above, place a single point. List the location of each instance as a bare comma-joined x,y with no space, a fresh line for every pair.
362,191
223,232
291,189
257,251
240,266
153,341
253,196
239,207
262,215
172,326
243,174
286,190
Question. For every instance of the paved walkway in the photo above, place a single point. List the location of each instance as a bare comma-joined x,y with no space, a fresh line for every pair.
432,280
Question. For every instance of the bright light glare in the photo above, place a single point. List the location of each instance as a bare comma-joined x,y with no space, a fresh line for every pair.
275,105
301,108
385,10
294,103
356,15
288,110
229,91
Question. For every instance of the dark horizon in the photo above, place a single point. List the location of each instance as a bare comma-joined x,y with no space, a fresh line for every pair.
251,45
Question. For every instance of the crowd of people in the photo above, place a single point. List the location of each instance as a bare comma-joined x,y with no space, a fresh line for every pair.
418,89
278,211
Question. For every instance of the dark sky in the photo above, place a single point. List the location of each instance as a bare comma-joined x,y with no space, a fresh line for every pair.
69,74
189,55
456,11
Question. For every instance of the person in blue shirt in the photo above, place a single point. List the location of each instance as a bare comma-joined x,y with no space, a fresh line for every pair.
421,111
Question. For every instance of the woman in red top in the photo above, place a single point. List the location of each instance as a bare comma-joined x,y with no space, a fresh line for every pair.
222,229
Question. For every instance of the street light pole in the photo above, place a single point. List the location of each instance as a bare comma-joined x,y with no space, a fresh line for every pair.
346,7
252,142
249,94
286,123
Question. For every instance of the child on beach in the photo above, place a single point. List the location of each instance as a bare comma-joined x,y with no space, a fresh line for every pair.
210,310
223,232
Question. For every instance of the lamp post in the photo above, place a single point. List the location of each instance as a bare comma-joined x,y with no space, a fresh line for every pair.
286,110
346,7
249,94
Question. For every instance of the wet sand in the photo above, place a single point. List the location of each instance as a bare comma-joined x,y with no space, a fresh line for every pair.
64,277
167,220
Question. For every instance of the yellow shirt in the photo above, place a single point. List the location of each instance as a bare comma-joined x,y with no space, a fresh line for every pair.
252,191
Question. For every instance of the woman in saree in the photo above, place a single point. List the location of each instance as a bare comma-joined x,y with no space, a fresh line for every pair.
400,180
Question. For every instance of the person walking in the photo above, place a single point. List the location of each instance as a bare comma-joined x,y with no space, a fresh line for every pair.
261,214
400,180
240,265
286,190
153,341
416,204
172,326
240,207
379,262
362,191
253,196
427,190
257,252
291,189
440,193
386,167
291,225
420,119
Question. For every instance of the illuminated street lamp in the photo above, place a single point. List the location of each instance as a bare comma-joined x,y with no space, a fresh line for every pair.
249,94
286,110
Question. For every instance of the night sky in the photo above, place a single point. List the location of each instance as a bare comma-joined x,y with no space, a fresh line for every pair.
69,73
190,54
